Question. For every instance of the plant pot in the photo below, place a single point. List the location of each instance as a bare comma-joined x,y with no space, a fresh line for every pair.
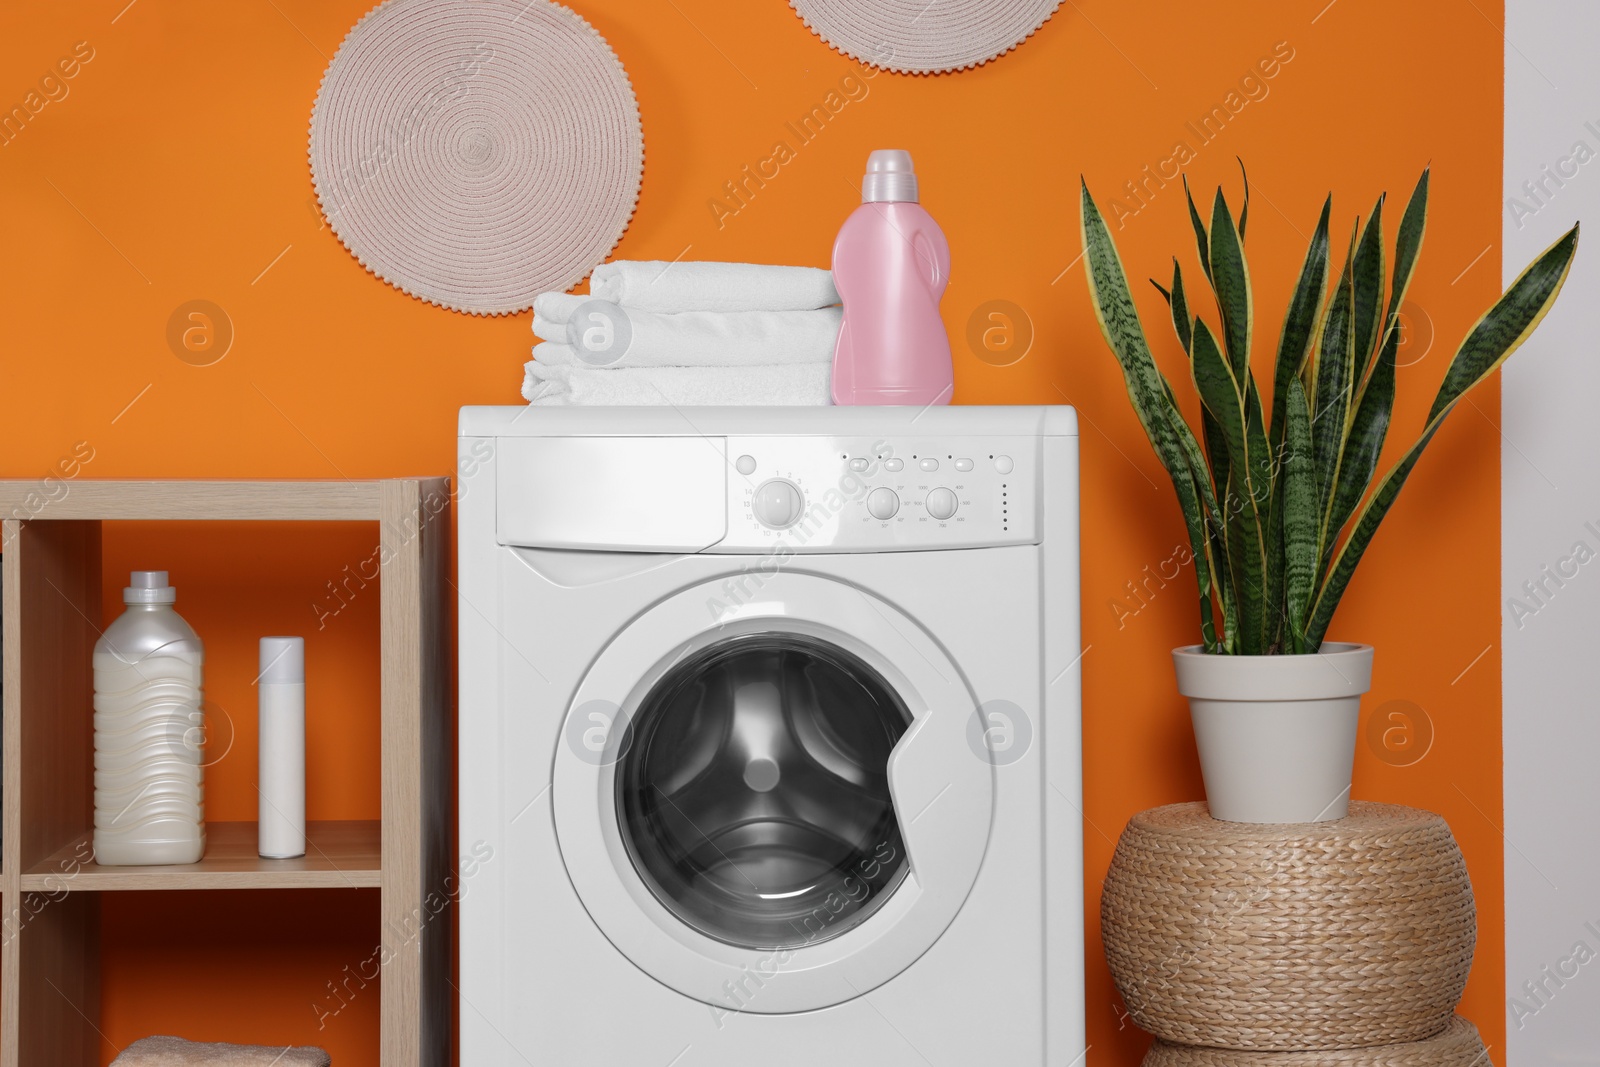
1276,734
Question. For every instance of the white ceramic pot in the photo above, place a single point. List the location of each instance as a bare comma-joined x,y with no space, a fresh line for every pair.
1276,734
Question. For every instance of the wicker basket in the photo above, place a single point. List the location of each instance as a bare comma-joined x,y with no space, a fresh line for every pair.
1334,935
1458,1046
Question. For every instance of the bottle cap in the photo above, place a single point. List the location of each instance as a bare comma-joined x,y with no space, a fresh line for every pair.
891,178
149,587
283,661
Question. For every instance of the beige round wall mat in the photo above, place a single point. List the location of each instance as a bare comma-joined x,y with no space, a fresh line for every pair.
475,153
925,36
1458,1046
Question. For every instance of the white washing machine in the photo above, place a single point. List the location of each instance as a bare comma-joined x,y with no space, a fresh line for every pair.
770,737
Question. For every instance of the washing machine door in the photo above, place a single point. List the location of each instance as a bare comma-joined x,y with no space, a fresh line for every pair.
781,793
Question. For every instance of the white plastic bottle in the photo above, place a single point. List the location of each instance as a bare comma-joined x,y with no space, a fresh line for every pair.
149,777
281,777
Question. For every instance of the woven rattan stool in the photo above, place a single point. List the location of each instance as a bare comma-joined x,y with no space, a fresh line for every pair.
1458,1046
1335,935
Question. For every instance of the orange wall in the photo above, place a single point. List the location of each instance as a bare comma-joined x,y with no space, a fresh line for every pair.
175,169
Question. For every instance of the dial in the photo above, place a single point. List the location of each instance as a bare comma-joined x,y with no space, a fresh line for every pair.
942,503
777,504
882,503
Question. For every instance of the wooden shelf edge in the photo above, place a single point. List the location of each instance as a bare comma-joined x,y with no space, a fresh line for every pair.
339,855
203,500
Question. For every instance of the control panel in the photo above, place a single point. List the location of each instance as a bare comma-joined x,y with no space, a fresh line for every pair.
900,493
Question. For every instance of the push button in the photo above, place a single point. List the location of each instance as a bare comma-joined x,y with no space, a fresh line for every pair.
963,465
929,464
894,466
745,465
1003,464
859,465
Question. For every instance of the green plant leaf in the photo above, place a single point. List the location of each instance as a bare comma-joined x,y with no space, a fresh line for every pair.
1200,237
1216,545
1262,474
1364,443
1408,246
1230,278
1220,392
1501,330
1296,341
1216,449
1217,541
1239,570
1274,619
1331,397
1180,307
1367,292
1244,210
1374,406
1300,517
1169,435
1223,396
1300,322
1255,435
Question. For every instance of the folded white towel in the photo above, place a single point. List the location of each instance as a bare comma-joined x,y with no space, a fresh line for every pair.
694,286
558,307
549,330
797,384
176,1052
610,336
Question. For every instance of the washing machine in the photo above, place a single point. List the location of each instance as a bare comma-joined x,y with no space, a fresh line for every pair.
770,737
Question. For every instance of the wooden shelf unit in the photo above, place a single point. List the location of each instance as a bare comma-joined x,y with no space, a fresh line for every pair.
49,963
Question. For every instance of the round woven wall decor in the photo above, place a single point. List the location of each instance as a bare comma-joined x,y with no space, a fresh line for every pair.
1343,934
475,153
1458,1046
924,36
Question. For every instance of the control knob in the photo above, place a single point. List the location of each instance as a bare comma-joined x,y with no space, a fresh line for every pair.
942,503
882,503
777,504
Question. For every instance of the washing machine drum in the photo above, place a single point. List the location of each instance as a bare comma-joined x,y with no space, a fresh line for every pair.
754,798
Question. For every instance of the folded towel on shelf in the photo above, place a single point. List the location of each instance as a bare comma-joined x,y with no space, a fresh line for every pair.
176,1052
617,337
791,385
697,286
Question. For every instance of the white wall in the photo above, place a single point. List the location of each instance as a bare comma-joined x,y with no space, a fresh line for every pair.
1550,464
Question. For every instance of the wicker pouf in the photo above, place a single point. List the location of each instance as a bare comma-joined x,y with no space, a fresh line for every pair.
1303,937
1458,1046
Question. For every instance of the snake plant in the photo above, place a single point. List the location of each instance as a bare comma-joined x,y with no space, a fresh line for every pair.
1270,500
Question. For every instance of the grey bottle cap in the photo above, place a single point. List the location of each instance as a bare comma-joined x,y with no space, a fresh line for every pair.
891,178
283,661
149,587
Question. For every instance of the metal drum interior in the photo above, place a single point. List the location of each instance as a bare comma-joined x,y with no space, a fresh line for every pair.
753,796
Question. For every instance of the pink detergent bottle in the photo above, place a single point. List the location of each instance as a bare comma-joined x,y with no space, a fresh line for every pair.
891,264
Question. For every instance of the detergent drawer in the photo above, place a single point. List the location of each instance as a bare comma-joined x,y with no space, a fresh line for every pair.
620,494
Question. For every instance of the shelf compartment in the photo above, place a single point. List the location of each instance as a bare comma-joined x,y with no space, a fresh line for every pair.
51,555
339,855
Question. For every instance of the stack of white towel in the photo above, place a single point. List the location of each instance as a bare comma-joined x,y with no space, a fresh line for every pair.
687,334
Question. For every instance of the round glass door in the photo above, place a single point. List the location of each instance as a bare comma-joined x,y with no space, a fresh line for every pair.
753,799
